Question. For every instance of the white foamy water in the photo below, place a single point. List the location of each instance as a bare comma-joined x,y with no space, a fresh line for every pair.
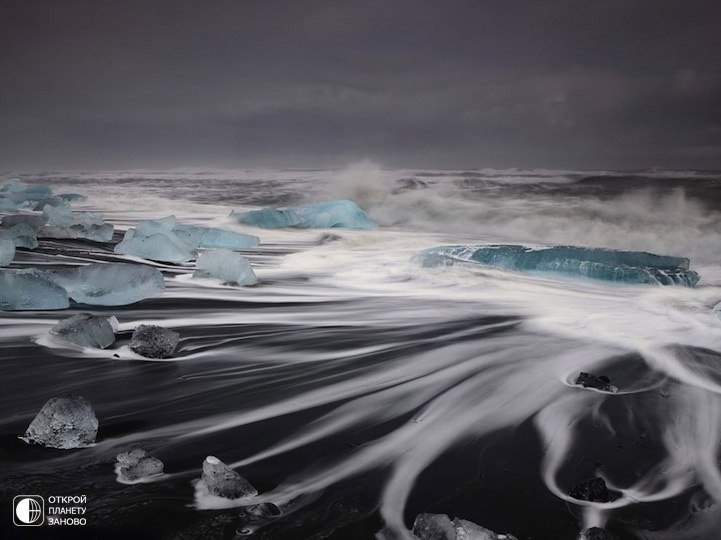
354,336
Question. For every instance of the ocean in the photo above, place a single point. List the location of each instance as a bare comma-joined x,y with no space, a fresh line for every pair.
356,388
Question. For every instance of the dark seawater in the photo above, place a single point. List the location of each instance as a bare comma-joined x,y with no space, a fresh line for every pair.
356,389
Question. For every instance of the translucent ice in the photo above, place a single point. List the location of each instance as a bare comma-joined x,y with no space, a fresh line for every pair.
87,330
61,222
440,527
7,251
332,214
113,284
215,238
66,422
225,265
605,264
167,240
20,232
137,464
154,341
23,289
222,481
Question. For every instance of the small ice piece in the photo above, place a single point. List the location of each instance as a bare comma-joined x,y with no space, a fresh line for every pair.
595,263
154,341
222,481
594,490
225,265
440,527
433,527
21,233
154,240
597,533
588,380
64,422
87,330
71,197
7,251
137,464
332,214
23,290
108,284
62,222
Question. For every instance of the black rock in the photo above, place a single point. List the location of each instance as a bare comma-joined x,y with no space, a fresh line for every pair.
597,533
588,380
594,490
154,341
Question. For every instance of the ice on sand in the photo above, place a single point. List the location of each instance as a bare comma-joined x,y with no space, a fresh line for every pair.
112,284
222,481
87,330
21,233
24,290
332,214
225,265
61,222
440,527
154,341
64,422
596,263
7,251
166,240
137,464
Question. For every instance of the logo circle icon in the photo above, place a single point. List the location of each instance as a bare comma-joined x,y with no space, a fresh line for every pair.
28,511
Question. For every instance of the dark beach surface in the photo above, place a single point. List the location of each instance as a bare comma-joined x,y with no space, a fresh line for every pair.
355,389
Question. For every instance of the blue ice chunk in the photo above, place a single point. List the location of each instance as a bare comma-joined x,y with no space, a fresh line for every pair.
7,251
7,204
62,222
22,234
596,263
112,284
22,194
167,240
225,265
160,246
332,214
23,289
208,237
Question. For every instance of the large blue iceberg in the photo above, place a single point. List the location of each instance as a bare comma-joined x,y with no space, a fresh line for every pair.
342,214
596,263
167,240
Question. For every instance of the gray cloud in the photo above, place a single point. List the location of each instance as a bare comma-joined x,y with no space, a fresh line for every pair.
620,83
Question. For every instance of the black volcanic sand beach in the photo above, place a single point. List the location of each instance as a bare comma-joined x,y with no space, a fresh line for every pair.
353,388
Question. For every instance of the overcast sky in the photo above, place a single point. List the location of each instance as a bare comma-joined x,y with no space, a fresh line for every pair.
408,83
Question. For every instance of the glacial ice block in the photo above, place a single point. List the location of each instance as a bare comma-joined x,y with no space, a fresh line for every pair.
7,251
209,237
440,527
332,214
87,330
62,222
64,422
112,284
24,290
160,246
137,464
222,481
225,265
21,233
596,263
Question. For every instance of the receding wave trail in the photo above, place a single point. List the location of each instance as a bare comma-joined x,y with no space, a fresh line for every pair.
350,363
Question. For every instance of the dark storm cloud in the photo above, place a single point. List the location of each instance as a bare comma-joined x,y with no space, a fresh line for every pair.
618,83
